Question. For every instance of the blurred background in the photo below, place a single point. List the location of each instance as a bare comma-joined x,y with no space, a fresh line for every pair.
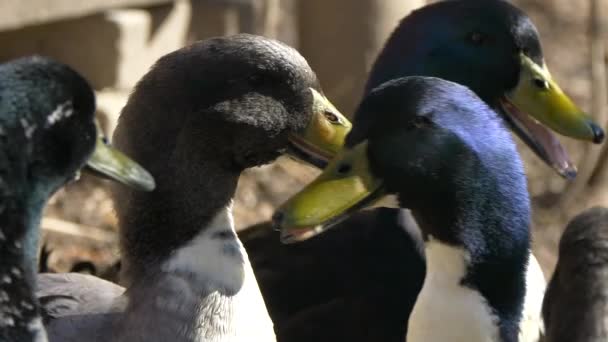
114,42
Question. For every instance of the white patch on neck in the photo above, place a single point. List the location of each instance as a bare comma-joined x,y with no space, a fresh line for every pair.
63,111
215,256
532,322
445,310
221,263
250,318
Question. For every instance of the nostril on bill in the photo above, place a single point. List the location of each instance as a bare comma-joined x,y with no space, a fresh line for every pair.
277,219
598,133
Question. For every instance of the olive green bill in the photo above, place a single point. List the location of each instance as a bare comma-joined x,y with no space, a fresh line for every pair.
541,97
538,101
324,135
345,186
108,162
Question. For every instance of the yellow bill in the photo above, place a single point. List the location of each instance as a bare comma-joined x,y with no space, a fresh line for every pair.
538,101
324,136
108,162
345,186
538,95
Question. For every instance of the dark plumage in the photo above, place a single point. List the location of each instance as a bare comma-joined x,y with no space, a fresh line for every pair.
575,304
349,290
461,45
47,133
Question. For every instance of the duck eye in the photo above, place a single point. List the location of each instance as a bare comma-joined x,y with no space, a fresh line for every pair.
105,140
476,38
421,121
540,83
344,168
331,117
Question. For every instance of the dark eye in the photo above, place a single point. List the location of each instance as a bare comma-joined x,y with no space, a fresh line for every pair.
421,121
105,141
476,38
344,168
331,117
540,83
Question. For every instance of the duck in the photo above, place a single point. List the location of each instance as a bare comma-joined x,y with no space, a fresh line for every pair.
47,133
489,46
444,154
575,303
196,120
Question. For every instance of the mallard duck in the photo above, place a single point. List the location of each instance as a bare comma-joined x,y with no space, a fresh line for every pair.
340,277
196,120
47,134
446,156
574,308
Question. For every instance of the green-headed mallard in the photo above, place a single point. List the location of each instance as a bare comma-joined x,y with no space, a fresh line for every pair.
449,159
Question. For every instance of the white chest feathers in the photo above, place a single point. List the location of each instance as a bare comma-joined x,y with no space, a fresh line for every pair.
447,311
216,258
532,322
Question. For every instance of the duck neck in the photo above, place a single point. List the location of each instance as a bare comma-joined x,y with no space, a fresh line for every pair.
190,194
476,268
205,291
188,273
18,244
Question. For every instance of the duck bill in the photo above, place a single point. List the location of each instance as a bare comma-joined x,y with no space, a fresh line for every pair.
345,186
110,163
324,135
538,103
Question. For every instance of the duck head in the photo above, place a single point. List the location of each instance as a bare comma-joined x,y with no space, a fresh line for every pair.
201,116
47,134
434,145
48,129
264,90
493,48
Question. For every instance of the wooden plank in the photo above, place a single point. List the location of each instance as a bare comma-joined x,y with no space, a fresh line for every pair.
16,14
